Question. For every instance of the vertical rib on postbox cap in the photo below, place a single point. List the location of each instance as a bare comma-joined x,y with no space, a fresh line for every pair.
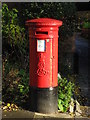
44,22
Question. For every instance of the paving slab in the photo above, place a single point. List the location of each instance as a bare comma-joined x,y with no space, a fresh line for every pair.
27,115
81,118
57,115
18,114
34,115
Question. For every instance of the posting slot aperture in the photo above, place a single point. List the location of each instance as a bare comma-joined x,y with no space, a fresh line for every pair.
41,32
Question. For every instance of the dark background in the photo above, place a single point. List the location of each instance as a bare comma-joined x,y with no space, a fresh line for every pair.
83,6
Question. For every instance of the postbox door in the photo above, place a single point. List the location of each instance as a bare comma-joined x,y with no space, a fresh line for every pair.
46,68
43,68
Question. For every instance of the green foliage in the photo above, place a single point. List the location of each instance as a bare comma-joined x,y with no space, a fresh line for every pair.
86,25
10,29
15,55
15,83
61,11
24,83
65,92
13,35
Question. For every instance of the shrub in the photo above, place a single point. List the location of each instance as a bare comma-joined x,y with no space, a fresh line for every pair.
23,86
14,42
86,25
15,83
61,11
65,92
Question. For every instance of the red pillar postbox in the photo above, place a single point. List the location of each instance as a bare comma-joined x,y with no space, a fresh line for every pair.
43,39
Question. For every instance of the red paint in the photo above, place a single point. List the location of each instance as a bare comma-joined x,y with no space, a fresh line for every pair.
43,65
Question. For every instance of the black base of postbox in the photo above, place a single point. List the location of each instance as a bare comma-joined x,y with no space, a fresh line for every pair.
44,100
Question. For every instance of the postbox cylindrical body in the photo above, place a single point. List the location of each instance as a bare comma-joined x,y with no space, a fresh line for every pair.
43,42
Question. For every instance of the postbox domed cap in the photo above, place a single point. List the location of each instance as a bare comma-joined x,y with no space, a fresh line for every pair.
44,22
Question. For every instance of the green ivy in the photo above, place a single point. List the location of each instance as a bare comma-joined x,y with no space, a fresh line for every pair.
65,92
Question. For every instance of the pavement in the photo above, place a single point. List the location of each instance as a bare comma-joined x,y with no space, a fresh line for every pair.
21,114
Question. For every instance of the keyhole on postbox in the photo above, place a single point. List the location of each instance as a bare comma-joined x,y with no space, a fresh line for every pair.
41,57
